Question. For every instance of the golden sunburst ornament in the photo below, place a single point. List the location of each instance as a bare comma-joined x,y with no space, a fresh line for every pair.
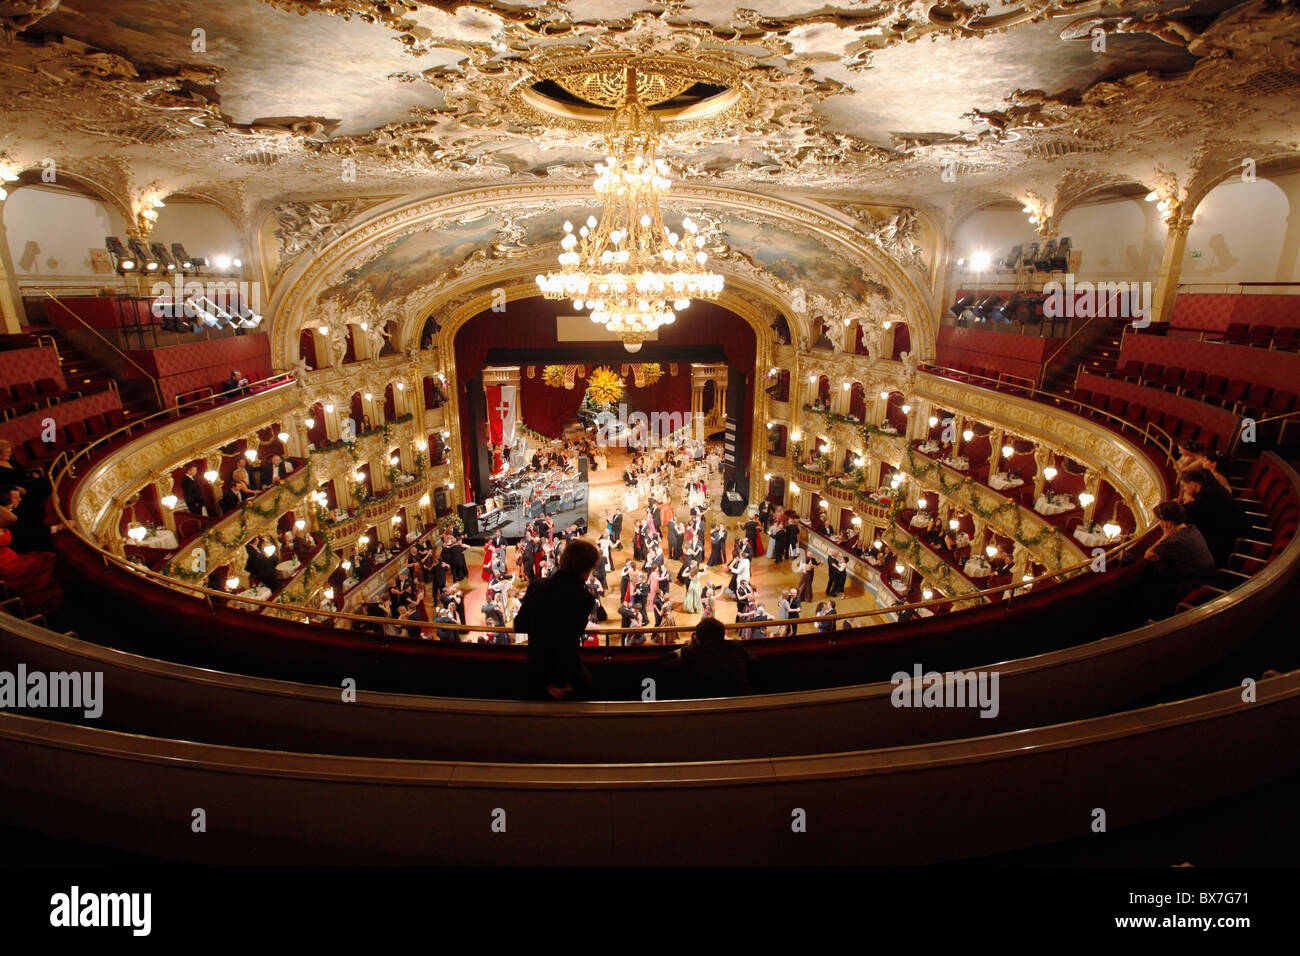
605,386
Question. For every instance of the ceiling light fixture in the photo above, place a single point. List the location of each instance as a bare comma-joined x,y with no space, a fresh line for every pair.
627,266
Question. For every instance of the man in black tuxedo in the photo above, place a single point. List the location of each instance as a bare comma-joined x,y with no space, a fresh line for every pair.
191,491
616,526
274,469
554,615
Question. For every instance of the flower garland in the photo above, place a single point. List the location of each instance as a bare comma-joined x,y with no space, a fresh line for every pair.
966,492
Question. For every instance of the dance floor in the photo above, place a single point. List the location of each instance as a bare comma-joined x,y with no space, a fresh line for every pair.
768,577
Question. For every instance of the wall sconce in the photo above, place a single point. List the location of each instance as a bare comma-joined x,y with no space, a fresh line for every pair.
824,449
424,501
169,501
268,550
877,544
346,565
907,409
794,488
1008,451
767,476
1111,529
922,502
309,422
796,435
812,379
991,550
300,524
968,435
885,394
932,421
927,594
232,582
283,436
137,533
329,409
1086,499
358,476
954,524
397,519
367,396
1049,472
856,522
363,540
846,386
401,387
328,594
210,476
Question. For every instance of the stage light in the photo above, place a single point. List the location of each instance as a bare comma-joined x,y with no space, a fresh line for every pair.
163,256
182,258
123,261
222,262
961,305
980,261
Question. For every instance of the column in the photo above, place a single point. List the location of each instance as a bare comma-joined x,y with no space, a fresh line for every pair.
1171,265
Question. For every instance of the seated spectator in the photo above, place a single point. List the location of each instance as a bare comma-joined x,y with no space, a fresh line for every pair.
1180,561
1191,454
710,665
239,482
1214,461
31,575
275,469
1209,506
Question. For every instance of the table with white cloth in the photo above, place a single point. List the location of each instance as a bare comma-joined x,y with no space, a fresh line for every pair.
1000,480
921,520
1093,539
1058,505
963,540
340,515
259,593
889,429
163,538
411,536
286,569
928,447
977,568
961,464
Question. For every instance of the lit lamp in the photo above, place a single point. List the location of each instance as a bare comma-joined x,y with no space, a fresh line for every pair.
1049,472
767,476
284,436
397,519
329,594
922,502
885,394
251,454
346,565
927,594
954,524
991,550
812,379
1111,529
401,386
796,435
968,434
794,488
363,540
424,501
268,550
169,501
1086,499
393,461
136,533
300,524
309,422
932,421
210,476
358,476
846,386
856,522
907,409
232,582
823,448
877,544
329,409
1008,451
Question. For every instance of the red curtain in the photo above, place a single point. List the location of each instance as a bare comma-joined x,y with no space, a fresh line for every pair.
544,408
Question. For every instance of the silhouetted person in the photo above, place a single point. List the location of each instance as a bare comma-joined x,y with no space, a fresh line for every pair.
1179,562
554,615
710,665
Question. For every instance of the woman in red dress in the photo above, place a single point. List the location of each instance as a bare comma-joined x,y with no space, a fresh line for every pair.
30,576
488,553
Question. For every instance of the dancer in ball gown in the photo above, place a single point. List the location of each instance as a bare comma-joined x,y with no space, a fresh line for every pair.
691,604
806,578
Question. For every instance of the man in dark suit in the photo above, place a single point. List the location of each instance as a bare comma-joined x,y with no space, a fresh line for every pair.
710,665
274,469
191,491
616,527
554,615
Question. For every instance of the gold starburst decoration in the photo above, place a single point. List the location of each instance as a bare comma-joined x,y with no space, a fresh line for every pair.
605,386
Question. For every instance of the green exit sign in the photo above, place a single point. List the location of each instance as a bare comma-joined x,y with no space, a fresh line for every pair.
1196,255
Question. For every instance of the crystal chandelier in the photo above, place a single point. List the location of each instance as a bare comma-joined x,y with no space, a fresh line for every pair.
627,267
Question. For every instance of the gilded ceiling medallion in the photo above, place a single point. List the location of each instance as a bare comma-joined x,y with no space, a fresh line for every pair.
581,92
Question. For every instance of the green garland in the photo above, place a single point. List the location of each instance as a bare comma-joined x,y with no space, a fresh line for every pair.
966,492
210,536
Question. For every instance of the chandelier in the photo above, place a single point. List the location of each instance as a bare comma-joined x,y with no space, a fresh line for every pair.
629,266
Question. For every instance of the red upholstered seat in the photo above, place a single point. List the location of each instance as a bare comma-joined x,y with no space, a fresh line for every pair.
1237,332
1171,377
1215,386
1193,383
23,391
1261,335
1152,372
1131,372
47,386
77,433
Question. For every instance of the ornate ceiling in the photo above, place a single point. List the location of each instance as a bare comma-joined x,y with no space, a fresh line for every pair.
938,105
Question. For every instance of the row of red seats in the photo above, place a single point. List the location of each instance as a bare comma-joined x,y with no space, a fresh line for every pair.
35,453
1242,397
1171,424
25,397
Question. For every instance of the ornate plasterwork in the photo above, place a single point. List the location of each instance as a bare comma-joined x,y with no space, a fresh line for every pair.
306,226
295,302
